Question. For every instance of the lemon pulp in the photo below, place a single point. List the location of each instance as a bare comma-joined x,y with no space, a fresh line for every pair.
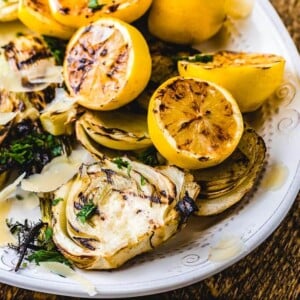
194,124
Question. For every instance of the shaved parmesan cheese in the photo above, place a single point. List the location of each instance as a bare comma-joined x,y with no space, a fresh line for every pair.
39,76
9,191
59,171
6,117
61,103
81,156
43,72
56,173
65,271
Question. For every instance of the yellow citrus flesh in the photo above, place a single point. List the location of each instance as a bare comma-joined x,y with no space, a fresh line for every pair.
107,64
80,13
193,123
37,17
186,22
250,77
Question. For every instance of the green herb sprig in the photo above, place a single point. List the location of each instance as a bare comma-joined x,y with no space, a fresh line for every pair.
94,5
86,212
203,58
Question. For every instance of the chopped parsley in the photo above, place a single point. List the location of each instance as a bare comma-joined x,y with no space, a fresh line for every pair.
35,243
56,201
57,47
48,255
143,180
122,164
94,5
30,153
149,157
203,58
86,212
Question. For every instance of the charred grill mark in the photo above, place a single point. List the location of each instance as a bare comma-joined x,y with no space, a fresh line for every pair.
228,112
186,124
162,107
155,199
73,227
114,7
64,10
109,174
85,242
84,63
185,144
83,198
22,55
103,52
150,239
87,29
186,207
31,60
121,59
77,205
110,131
203,158
220,133
113,70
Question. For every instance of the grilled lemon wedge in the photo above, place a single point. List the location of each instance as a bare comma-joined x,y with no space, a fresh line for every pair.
107,64
36,16
80,13
8,10
193,123
250,77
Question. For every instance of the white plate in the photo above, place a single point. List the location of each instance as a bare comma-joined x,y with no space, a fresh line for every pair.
190,257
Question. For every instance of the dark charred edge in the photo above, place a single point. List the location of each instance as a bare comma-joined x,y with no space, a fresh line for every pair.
85,242
109,174
33,233
150,239
186,207
80,259
72,226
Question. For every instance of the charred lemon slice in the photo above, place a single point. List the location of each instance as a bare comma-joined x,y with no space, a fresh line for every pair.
36,16
250,77
107,64
80,13
194,124
8,10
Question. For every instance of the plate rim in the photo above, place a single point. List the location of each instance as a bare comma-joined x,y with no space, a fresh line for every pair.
67,289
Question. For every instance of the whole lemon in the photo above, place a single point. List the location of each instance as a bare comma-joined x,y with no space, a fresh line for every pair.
186,22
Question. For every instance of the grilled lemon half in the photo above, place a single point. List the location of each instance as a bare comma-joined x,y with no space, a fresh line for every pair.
80,13
107,64
250,77
193,123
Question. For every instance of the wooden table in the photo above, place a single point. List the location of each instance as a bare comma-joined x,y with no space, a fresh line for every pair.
272,271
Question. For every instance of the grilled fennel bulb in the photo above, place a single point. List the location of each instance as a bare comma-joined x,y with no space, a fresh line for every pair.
116,209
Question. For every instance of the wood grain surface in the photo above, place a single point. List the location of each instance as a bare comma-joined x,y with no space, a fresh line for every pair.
272,271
